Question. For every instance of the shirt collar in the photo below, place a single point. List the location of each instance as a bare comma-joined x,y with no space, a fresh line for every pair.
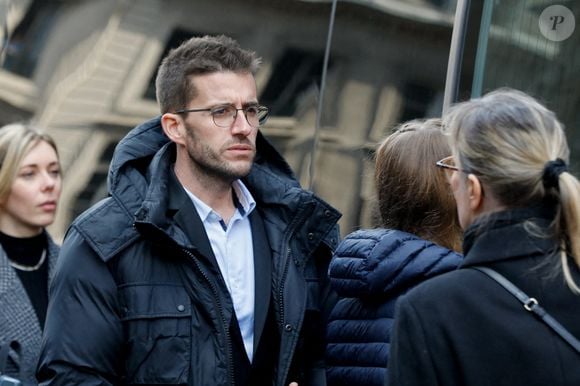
243,200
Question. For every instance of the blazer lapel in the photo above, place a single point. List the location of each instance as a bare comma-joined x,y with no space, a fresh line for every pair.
187,218
23,325
53,251
262,274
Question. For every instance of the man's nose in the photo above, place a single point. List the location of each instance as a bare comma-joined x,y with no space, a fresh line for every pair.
241,124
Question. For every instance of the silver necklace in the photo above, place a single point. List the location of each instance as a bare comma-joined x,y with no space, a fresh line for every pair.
29,268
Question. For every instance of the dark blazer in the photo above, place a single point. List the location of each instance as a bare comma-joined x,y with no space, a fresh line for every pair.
462,328
370,270
18,320
266,345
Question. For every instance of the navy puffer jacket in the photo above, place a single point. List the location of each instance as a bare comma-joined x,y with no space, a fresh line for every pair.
135,301
370,270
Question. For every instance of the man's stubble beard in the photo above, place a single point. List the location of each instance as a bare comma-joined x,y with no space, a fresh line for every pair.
215,167
209,162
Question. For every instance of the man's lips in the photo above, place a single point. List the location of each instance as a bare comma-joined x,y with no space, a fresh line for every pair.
241,148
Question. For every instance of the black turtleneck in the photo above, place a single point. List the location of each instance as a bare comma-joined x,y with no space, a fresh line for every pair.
27,251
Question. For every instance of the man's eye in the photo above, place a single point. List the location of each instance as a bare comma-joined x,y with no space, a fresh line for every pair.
252,110
218,111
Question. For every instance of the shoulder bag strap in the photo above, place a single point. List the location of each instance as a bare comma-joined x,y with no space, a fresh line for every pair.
532,305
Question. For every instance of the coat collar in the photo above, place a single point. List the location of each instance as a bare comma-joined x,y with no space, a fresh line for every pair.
138,184
510,234
9,278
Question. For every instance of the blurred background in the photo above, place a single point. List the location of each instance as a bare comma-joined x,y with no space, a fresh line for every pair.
85,70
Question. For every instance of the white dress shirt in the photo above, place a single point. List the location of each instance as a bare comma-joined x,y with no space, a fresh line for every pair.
234,251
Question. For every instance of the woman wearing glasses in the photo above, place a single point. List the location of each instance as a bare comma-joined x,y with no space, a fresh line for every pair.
30,184
372,268
518,205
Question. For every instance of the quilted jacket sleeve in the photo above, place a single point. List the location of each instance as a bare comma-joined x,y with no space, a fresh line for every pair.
81,341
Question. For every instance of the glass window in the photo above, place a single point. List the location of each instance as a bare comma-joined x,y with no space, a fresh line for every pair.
28,38
294,72
531,46
386,63
389,65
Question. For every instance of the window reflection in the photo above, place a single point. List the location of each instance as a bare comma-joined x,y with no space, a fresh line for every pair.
295,72
510,49
25,43
387,63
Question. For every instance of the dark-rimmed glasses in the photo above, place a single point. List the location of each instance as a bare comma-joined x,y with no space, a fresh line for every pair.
225,115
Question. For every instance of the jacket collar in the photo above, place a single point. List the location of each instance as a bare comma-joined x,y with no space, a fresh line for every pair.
166,206
136,159
8,275
382,262
139,180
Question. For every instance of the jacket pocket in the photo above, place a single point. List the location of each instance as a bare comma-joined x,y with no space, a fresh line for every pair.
157,323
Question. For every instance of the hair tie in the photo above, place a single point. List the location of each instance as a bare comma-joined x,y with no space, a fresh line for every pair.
552,171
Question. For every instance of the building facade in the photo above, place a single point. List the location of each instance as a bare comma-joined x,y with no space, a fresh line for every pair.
84,70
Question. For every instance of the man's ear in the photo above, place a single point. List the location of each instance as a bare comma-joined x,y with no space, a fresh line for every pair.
475,192
173,127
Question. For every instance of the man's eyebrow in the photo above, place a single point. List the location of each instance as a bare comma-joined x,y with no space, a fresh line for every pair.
247,104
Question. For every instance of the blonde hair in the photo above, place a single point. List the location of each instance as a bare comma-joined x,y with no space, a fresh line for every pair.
506,138
413,194
16,140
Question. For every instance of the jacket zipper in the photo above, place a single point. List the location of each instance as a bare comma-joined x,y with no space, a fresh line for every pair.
297,220
225,326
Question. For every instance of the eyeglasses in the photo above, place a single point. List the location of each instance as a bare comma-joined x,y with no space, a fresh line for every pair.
448,164
225,115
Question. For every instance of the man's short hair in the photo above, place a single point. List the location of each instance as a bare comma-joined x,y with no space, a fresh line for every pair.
196,56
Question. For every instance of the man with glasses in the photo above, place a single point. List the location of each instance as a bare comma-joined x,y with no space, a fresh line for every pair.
207,263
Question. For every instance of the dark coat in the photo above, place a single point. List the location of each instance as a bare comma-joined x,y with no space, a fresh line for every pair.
370,270
136,299
18,320
462,328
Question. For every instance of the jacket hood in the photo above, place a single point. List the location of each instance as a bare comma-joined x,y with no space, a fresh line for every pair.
377,262
129,171
138,179
135,151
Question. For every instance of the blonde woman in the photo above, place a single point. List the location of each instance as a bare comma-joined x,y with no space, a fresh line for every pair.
518,205
30,185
